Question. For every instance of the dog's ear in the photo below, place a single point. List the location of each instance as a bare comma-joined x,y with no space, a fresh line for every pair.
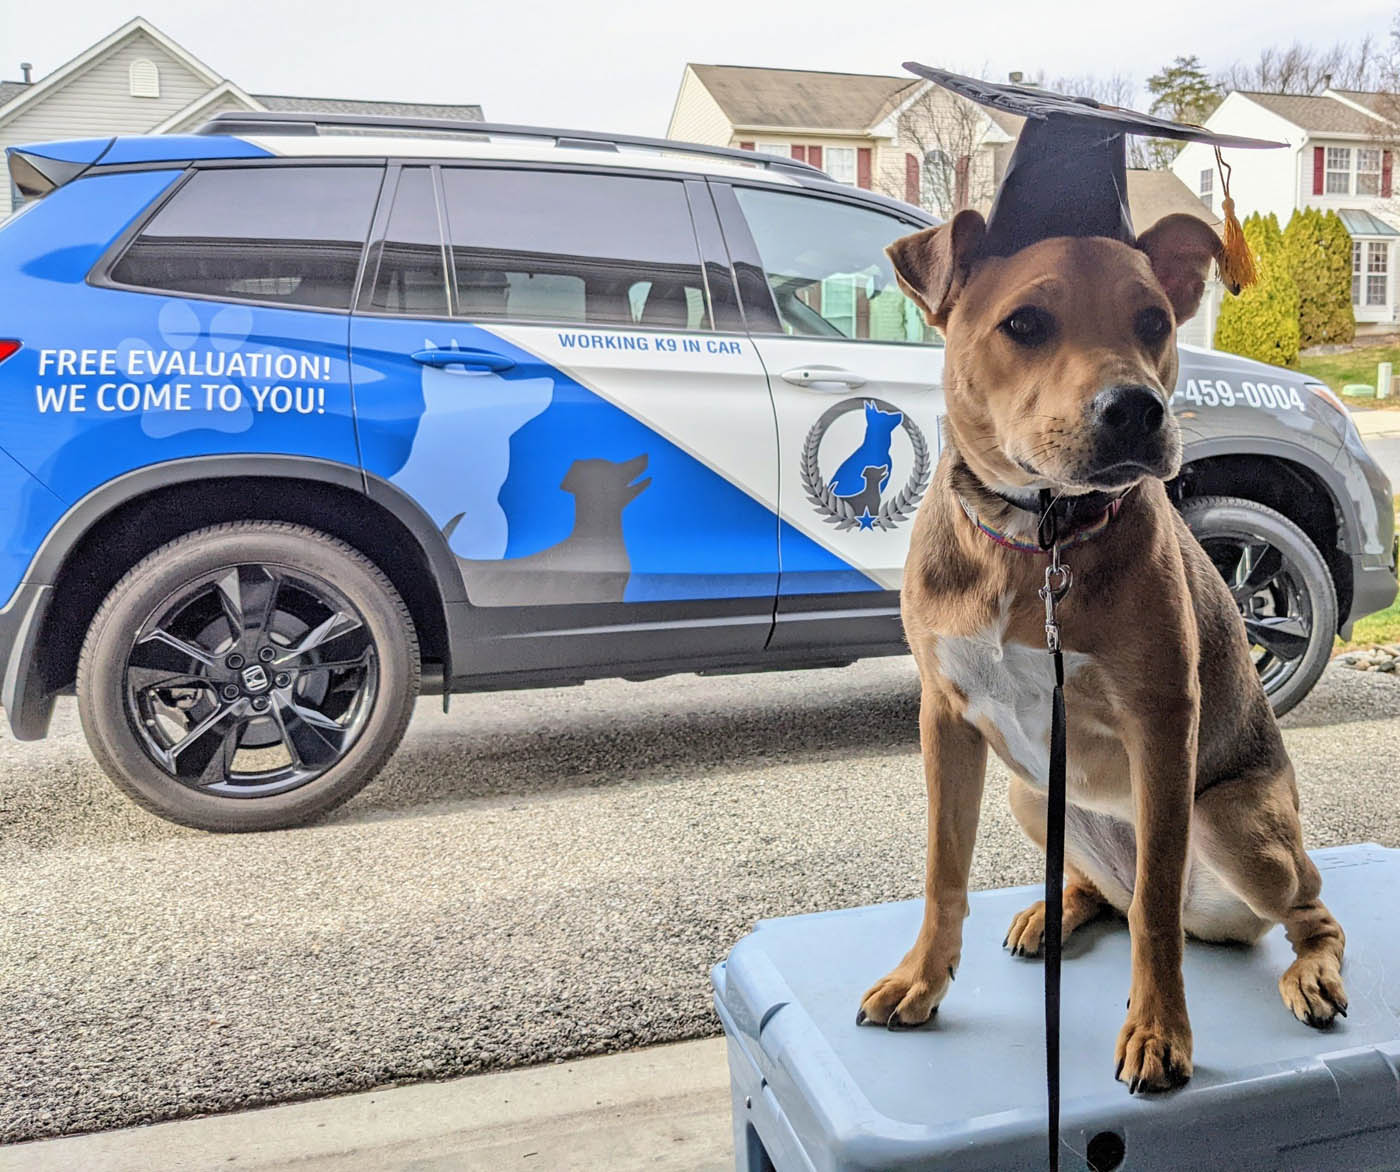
933,265
1181,249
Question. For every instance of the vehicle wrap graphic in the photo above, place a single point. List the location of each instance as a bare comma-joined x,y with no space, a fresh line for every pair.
854,497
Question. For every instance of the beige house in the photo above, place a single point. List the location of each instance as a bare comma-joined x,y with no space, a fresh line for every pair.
897,135
139,81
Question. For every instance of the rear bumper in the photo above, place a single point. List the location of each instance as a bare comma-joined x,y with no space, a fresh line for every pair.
27,703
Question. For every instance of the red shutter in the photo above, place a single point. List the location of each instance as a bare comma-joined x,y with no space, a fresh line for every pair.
911,179
799,153
746,146
814,155
1385,174
863,167
960,180
1318,157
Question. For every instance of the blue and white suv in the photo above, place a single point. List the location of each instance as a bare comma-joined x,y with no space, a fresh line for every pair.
300,419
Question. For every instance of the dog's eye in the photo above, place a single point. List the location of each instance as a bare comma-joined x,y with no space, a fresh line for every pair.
1152,325
1029,326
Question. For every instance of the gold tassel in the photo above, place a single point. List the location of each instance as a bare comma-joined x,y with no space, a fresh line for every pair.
1236,263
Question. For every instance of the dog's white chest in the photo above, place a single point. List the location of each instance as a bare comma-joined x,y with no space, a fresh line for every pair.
1008,687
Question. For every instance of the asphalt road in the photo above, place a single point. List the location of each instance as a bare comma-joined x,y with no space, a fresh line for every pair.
536,876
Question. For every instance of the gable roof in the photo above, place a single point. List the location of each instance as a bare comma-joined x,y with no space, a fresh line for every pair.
137,24
1316,113
751,95
1154,194
8,89
462,113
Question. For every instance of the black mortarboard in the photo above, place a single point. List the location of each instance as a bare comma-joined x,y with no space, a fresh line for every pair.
1068,173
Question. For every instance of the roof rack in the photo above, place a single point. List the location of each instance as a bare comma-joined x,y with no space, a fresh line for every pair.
284,122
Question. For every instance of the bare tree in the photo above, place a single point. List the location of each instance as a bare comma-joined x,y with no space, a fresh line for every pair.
1310,69
946,137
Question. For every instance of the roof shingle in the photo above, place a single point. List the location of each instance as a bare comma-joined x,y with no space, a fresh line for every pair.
755,96
1316,113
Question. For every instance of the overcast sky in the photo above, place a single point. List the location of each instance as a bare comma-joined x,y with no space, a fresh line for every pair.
617,66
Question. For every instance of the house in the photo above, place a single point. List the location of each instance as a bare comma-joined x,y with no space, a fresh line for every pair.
902,136
139,81
1337,158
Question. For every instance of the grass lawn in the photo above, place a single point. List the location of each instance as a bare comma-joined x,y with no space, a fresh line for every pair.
1354,366
1381,627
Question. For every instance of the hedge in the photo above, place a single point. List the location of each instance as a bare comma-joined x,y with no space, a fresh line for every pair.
1263,321
1317,249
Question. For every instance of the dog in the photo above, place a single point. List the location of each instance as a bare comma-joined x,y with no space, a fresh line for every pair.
1182,807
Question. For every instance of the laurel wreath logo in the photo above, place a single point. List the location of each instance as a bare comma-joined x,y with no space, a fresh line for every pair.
839,512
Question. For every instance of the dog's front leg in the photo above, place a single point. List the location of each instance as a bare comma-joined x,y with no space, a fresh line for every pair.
1154,1046
955,762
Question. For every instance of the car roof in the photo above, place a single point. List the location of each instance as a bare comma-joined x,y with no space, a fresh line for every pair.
294,135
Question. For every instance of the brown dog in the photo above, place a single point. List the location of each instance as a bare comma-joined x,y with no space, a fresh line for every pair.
1182,808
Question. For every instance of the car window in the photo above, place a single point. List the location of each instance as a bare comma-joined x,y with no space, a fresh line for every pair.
568,247
826,265
290,235
412,270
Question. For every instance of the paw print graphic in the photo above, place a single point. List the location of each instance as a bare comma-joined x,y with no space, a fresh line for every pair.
202,346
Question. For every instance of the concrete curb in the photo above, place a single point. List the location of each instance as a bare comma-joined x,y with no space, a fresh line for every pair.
665,1107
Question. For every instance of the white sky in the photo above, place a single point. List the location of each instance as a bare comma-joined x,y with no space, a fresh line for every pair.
617,66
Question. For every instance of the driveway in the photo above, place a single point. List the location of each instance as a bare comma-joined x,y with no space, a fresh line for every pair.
538,875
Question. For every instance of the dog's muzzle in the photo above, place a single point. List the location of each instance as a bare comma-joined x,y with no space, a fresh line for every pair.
1133,435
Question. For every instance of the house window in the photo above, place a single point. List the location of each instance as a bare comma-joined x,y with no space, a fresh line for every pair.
1377,273
940,182
1368,171
1355,272
1207,188
1338,166
774,148
144,78
841,164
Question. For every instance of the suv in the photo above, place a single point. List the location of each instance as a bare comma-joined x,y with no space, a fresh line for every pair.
303,417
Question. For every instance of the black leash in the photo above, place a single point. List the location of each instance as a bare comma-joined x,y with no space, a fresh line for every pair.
1057,584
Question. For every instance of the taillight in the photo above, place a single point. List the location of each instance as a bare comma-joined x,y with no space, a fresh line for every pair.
7,347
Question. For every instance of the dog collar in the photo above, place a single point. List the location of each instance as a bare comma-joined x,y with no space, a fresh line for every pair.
1071,530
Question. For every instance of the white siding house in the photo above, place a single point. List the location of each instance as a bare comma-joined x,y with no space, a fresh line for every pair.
139,81
1336,157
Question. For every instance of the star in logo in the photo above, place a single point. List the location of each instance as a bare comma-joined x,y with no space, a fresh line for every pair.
865,520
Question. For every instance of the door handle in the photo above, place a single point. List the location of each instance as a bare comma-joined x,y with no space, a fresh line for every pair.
482,360
823,378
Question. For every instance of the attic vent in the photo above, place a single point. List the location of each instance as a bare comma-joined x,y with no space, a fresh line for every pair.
145,79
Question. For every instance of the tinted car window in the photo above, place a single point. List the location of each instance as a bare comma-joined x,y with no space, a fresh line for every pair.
412,277
281,234
826,265
564,247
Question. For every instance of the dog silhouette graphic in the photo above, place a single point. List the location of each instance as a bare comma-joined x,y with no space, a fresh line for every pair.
590,565
461,451
874,452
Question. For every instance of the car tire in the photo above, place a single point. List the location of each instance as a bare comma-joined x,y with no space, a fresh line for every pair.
1290,598
249,676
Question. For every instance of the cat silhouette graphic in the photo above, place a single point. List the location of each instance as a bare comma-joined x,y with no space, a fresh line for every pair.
874,452
590,565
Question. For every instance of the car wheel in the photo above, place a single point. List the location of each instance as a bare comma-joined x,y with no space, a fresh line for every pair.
248,676
1281,585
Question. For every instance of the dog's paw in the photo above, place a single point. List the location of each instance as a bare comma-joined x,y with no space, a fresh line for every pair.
1026,936
1312,990
905,999
1153,1054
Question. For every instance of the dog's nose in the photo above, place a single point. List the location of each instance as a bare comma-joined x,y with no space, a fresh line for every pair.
1130,413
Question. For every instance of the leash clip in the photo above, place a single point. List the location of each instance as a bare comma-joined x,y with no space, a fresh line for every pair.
1058,580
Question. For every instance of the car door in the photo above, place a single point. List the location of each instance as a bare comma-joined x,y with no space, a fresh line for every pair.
547,366
856,377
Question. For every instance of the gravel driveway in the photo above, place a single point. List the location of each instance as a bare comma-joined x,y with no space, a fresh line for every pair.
538,875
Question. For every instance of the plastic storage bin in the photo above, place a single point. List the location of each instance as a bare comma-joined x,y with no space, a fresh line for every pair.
811,1090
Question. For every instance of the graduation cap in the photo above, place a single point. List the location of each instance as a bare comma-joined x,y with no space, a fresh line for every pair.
1068,173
